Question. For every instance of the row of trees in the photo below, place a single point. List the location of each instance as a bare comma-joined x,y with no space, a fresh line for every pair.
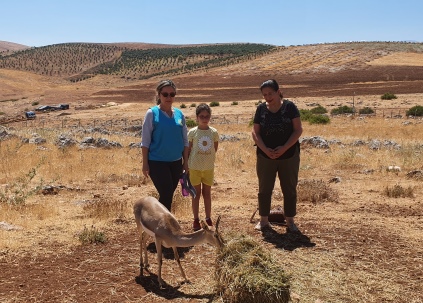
80,61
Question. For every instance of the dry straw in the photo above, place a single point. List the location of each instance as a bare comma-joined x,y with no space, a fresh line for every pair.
246,272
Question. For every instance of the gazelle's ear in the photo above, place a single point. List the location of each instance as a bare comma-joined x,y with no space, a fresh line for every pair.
204,225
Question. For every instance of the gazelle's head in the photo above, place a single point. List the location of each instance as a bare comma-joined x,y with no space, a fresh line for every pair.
214,236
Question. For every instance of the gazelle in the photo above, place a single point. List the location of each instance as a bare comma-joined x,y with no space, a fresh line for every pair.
154,219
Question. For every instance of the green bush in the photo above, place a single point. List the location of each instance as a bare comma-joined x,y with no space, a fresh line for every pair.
183,105
342,110
35,103
191,123
415,111
193,105
214,103
234,103
319,119
366,111
251,123
388,96
318,110
305,114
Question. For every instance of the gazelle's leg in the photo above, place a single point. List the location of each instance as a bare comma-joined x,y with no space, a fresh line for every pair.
140,235
159,261
144,244
175,252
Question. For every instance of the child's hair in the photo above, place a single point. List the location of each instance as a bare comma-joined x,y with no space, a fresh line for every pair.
201,107
272,84
160,86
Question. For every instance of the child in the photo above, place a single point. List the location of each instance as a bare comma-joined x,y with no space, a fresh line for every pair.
203,143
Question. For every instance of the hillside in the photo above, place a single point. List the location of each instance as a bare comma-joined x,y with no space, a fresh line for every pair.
223,73
80,61
7,48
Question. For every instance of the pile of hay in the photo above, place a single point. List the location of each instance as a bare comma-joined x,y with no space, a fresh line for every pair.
246,272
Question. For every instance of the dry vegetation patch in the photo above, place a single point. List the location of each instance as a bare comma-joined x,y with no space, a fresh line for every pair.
358,244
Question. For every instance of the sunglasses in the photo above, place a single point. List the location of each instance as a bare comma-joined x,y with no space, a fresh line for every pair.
167,94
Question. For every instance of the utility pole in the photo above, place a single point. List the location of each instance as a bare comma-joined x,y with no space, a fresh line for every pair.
353,104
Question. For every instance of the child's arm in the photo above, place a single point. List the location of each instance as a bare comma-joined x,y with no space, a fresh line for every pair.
189,148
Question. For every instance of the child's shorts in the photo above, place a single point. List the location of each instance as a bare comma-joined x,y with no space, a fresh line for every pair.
201,176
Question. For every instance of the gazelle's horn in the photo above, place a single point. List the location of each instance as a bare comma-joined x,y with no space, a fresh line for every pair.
217,222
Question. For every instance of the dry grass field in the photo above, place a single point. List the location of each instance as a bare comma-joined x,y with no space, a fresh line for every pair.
361,223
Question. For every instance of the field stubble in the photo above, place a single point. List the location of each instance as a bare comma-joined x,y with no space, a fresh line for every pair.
363,246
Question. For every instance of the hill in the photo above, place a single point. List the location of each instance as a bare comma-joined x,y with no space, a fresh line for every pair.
9,47
80,61
84,74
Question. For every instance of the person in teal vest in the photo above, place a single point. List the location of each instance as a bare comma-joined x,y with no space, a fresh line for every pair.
164,143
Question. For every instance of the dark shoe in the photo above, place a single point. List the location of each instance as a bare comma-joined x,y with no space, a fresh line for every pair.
196,225
209,222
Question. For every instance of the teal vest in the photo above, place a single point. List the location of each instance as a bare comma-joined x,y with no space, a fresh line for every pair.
167,141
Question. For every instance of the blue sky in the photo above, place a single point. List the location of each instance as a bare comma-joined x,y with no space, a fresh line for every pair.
277,22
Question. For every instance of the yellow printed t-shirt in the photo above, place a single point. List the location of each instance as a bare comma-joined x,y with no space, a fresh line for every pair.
202,154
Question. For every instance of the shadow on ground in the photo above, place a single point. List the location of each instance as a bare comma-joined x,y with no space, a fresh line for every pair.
288,241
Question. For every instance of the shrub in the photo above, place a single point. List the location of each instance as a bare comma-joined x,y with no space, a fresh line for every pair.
398,191
214,103
35,103
316,191
16,193
183,105
305,114
319,119
415,111
366,111
342,110
318,110
191,123
234,103
388,96
91,235
251,123
193,105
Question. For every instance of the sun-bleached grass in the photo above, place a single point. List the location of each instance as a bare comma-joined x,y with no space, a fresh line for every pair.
360,233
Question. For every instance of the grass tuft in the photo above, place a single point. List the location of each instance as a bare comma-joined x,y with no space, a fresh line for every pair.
92,235
398,191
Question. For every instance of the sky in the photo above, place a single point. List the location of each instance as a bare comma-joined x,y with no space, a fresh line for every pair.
277,22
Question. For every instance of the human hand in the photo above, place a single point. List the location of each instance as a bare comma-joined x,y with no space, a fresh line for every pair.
146,170
279,151
185,168
270,152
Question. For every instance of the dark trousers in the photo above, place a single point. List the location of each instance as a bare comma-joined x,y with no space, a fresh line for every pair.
287,171
165,177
